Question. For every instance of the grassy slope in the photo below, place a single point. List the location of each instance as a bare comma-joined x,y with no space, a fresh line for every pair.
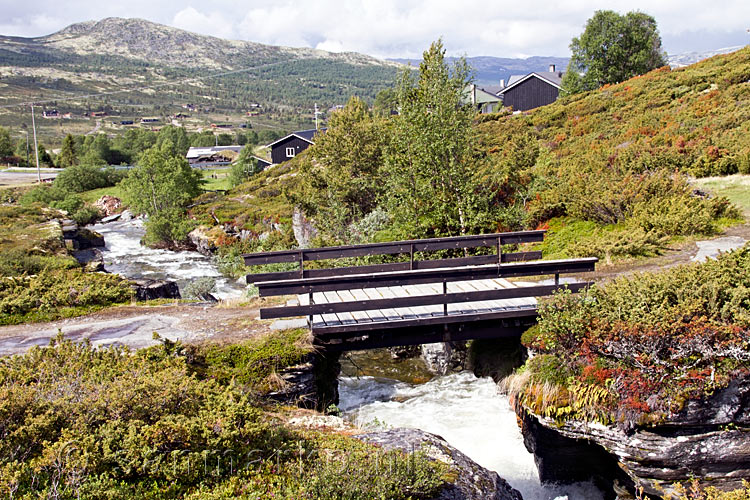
666,117
694,119
735,187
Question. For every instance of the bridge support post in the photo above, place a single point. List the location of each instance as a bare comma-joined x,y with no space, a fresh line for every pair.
445,300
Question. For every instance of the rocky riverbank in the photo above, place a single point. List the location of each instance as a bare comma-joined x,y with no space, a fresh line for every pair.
708,440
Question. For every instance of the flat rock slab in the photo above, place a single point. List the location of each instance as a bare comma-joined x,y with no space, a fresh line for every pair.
710,249
135,332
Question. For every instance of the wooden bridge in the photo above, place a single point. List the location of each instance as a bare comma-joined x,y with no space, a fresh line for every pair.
415,301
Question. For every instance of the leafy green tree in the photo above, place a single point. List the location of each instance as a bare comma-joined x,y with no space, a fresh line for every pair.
245,167
611,49
134,142
203,140
6,144
432,188
161,185
269,136
177,136
23,150
386,102
340,183
224,140
68,155
44,156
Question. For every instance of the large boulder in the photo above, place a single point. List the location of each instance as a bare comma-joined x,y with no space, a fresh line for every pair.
89,239
472,481
204,239
708,440
108,205
442,358
91,259
304,231
146,289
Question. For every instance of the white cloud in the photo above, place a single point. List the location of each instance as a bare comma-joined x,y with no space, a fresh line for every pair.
213,23
397,28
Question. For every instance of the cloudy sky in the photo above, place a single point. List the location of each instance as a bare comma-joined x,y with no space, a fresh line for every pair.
399,28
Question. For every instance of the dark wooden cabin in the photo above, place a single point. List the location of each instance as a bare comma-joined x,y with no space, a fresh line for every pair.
532,90
290,146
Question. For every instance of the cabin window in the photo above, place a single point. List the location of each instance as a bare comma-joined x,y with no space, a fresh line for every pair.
289,152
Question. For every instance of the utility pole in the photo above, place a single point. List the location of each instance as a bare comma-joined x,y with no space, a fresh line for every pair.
36,146
316,115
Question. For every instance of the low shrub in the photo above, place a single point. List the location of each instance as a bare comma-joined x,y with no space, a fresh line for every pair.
200,288
651,341
78,422
53,294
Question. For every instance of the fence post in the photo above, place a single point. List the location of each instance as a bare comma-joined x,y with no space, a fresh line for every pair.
557,279
445,299
499,250
310,302
301,263
411,257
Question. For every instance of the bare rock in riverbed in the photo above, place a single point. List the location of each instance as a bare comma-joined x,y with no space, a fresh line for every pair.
473,482
146,289
108,205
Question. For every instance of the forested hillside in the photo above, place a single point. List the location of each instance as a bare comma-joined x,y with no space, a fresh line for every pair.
277,83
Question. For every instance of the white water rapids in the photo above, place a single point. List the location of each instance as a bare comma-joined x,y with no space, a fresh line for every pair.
123,254
466,411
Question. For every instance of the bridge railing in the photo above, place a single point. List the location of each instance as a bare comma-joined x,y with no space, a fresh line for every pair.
311,286
407,247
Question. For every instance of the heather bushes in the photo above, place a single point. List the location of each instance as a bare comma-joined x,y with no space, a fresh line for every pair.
53,294
76,422
650,342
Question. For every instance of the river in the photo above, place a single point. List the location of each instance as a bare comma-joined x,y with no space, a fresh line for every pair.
123,254
465,410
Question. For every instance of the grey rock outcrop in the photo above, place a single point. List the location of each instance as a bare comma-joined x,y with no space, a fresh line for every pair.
146,289
473,482
78,238
304,231
444,357
108,205
91,259
203,242
708,440
312,383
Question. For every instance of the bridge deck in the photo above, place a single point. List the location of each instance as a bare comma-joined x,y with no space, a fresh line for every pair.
417,315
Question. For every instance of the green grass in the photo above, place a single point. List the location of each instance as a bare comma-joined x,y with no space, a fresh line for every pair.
735,187
95,194
216,179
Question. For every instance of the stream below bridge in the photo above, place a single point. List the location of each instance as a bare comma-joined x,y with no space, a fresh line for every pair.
468,412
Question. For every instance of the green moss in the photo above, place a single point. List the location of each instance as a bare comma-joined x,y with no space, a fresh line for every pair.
251,362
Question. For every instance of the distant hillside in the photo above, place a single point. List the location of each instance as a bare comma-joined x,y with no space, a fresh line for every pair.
488,71
107,55
688,58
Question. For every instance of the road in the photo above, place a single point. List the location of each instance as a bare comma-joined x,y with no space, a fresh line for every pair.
10,178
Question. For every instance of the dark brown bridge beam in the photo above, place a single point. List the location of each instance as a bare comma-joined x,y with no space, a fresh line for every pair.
418,300
394,247
425,335
354,282
395,266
